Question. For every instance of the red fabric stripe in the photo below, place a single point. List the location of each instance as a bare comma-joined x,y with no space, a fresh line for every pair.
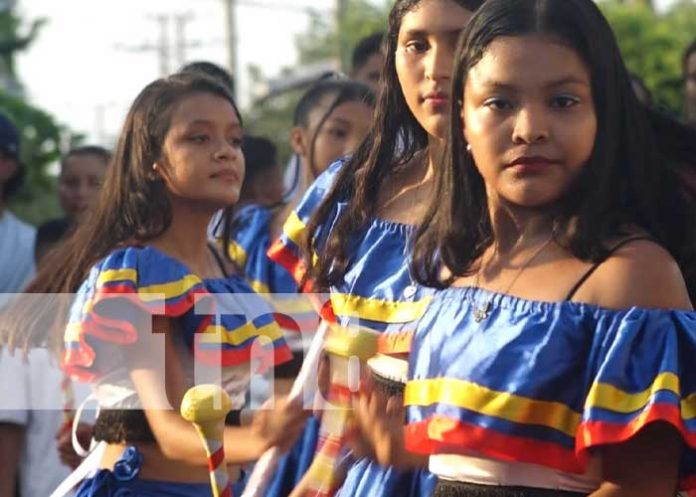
216,459
462,438
283,255
227,492
593,433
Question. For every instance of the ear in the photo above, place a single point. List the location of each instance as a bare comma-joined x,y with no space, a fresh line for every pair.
298,141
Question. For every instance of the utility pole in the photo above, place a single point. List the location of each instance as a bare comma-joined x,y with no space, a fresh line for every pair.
231,37
180,22
163,47
341,8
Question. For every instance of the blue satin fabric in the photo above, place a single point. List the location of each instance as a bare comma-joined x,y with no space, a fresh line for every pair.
124,481
251,233
378,275
547,381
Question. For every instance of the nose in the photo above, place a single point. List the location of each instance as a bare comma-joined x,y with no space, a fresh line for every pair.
438,63
530,127
226,151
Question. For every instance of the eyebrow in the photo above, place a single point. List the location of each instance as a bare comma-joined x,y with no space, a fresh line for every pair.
209,123
416,33
339,120
567,80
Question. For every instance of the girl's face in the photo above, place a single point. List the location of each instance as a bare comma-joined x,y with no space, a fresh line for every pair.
339,136
80,182
529,118
424,59
202,159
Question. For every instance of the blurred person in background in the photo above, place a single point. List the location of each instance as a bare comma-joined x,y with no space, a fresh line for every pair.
82,172
16,237
214,71
368,61
263,181
30,393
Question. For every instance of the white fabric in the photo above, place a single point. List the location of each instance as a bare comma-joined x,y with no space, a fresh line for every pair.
483,471
89,466
16,253
30,396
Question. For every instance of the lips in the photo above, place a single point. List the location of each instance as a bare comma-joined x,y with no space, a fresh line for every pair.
531,164
436,97
227,176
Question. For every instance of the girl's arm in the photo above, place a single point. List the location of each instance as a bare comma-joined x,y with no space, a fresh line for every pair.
644,466
176,438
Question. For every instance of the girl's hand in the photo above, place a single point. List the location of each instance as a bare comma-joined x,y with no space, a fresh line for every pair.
279,423
378,428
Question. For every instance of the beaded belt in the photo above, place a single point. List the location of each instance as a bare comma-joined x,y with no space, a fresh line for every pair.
446,488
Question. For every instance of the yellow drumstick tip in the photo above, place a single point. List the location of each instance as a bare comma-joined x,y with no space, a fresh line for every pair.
352,341
204,403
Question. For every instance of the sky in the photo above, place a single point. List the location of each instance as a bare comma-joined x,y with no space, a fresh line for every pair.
85,68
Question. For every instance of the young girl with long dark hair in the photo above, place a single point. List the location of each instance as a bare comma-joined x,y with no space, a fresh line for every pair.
558,363
357,218
155,302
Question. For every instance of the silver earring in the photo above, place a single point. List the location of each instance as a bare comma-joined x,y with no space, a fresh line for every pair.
468,148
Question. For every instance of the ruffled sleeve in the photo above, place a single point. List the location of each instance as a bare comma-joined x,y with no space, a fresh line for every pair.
287,250
129,286
119,293
641,370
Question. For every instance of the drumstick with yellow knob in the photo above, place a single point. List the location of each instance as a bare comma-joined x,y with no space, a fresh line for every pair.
206,407
343,346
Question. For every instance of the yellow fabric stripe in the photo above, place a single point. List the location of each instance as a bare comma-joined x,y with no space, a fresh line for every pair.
384,311
237,253
111,275
168,290
483,400
72,332
294,228
606,396
218,334
258,286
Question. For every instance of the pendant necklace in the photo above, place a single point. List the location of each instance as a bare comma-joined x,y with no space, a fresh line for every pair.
481,312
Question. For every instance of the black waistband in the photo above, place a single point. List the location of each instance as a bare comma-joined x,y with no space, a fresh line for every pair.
445,488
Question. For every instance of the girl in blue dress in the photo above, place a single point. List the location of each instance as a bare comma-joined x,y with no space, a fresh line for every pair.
330,120
559,360
156,308
357,219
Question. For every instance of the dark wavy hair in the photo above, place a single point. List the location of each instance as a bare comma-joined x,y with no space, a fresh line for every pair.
394,139
629,178
133,206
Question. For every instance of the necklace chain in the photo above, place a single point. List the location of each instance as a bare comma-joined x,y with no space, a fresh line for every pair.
481,313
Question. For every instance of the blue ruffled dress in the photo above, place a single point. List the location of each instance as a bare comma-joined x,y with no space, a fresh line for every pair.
135,282
544,383
378,292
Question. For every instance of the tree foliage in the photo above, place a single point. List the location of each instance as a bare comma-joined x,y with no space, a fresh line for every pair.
653,43
39,131
322,41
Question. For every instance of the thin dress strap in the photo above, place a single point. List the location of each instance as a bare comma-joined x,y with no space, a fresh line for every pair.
594,267
219,260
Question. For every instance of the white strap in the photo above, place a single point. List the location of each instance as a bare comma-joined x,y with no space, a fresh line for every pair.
266,465
90,463
77,447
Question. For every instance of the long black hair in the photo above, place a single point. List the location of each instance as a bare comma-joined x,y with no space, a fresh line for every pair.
395,138
629,178
133,207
